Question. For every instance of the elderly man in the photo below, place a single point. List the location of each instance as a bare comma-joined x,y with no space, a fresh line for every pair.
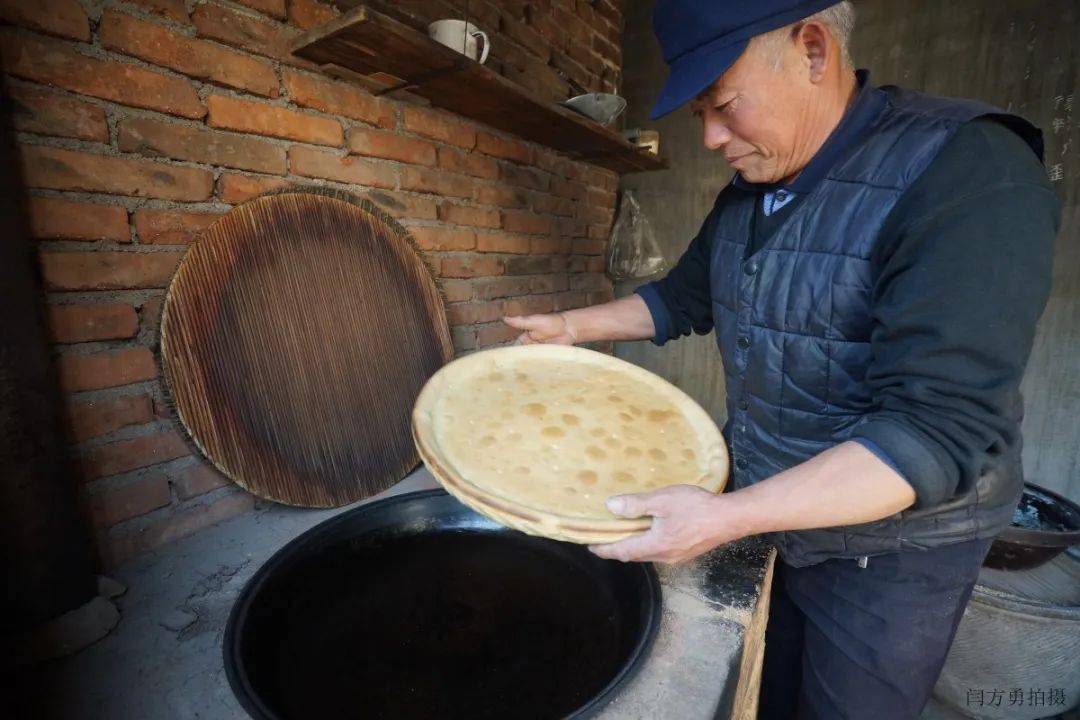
874,273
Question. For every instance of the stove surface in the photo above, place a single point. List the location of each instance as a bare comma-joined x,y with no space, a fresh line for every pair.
164,661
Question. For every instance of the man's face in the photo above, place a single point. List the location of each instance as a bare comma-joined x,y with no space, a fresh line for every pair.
752,113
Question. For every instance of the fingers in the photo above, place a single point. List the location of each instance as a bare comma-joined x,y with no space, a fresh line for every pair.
639,547
523,322
635,505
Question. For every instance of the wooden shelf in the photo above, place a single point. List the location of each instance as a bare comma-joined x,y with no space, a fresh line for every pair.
370,42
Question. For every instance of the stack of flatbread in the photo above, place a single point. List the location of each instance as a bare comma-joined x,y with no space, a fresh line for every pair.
537,437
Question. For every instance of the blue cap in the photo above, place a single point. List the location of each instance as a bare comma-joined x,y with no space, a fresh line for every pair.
701,39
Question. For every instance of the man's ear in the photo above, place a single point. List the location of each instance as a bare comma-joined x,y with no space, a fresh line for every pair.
813,39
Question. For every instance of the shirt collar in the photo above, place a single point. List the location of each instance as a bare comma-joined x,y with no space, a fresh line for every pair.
858,118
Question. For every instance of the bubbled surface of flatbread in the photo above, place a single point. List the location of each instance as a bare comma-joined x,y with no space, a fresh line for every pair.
561,430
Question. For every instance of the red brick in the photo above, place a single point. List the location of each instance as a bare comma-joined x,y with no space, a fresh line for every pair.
504,148
468,163
59,169
601,178
336,98
596,215
150,317
94,418
501,195
456,290
467,215
525,177
171,227
36,110
83,323
576,264
172,9
494,334
500,287
403,205
440,238
56,17
120,546
544,284
197,144
262,119
556,33
391,146
464,337
585,56
126,455
276,8
103,370
532,305
245,31
197,480
235,189
588,281
472,313
609,11
546,246
599,232
595,265
534,75
569,300
559,165
56,63
107,270
115,504
561,263
439,126
328,165
501,243
529,264
552,205
530,39
570,226
526,222
429,180
306,14
598,297
195,58
60,219
468,266
570,189
600,197
583,246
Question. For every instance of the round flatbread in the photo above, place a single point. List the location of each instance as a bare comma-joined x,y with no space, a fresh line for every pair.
537,437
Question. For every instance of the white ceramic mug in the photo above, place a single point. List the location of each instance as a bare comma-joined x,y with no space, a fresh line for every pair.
461,36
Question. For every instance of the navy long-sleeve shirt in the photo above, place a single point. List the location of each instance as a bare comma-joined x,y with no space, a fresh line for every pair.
964,264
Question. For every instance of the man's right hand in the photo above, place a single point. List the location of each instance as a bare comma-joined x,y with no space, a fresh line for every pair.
551,328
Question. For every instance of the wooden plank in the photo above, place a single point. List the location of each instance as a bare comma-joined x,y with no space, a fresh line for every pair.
368,42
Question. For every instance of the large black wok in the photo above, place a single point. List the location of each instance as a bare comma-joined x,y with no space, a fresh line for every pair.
417,607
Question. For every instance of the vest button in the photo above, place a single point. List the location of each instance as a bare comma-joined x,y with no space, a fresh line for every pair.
751,267
741,463
743,342
743,405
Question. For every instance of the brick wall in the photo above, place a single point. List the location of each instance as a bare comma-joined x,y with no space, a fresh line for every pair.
140,122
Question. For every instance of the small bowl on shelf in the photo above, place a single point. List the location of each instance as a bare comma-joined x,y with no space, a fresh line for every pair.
599,107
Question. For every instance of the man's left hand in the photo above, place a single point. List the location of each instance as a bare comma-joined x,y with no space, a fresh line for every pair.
687,521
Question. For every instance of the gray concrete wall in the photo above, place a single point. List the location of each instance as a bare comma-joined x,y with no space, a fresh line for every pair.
1017,54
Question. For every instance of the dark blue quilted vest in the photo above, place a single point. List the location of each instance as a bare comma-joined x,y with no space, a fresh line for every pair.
793,325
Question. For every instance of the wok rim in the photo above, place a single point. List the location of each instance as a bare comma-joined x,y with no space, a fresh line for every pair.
251,701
